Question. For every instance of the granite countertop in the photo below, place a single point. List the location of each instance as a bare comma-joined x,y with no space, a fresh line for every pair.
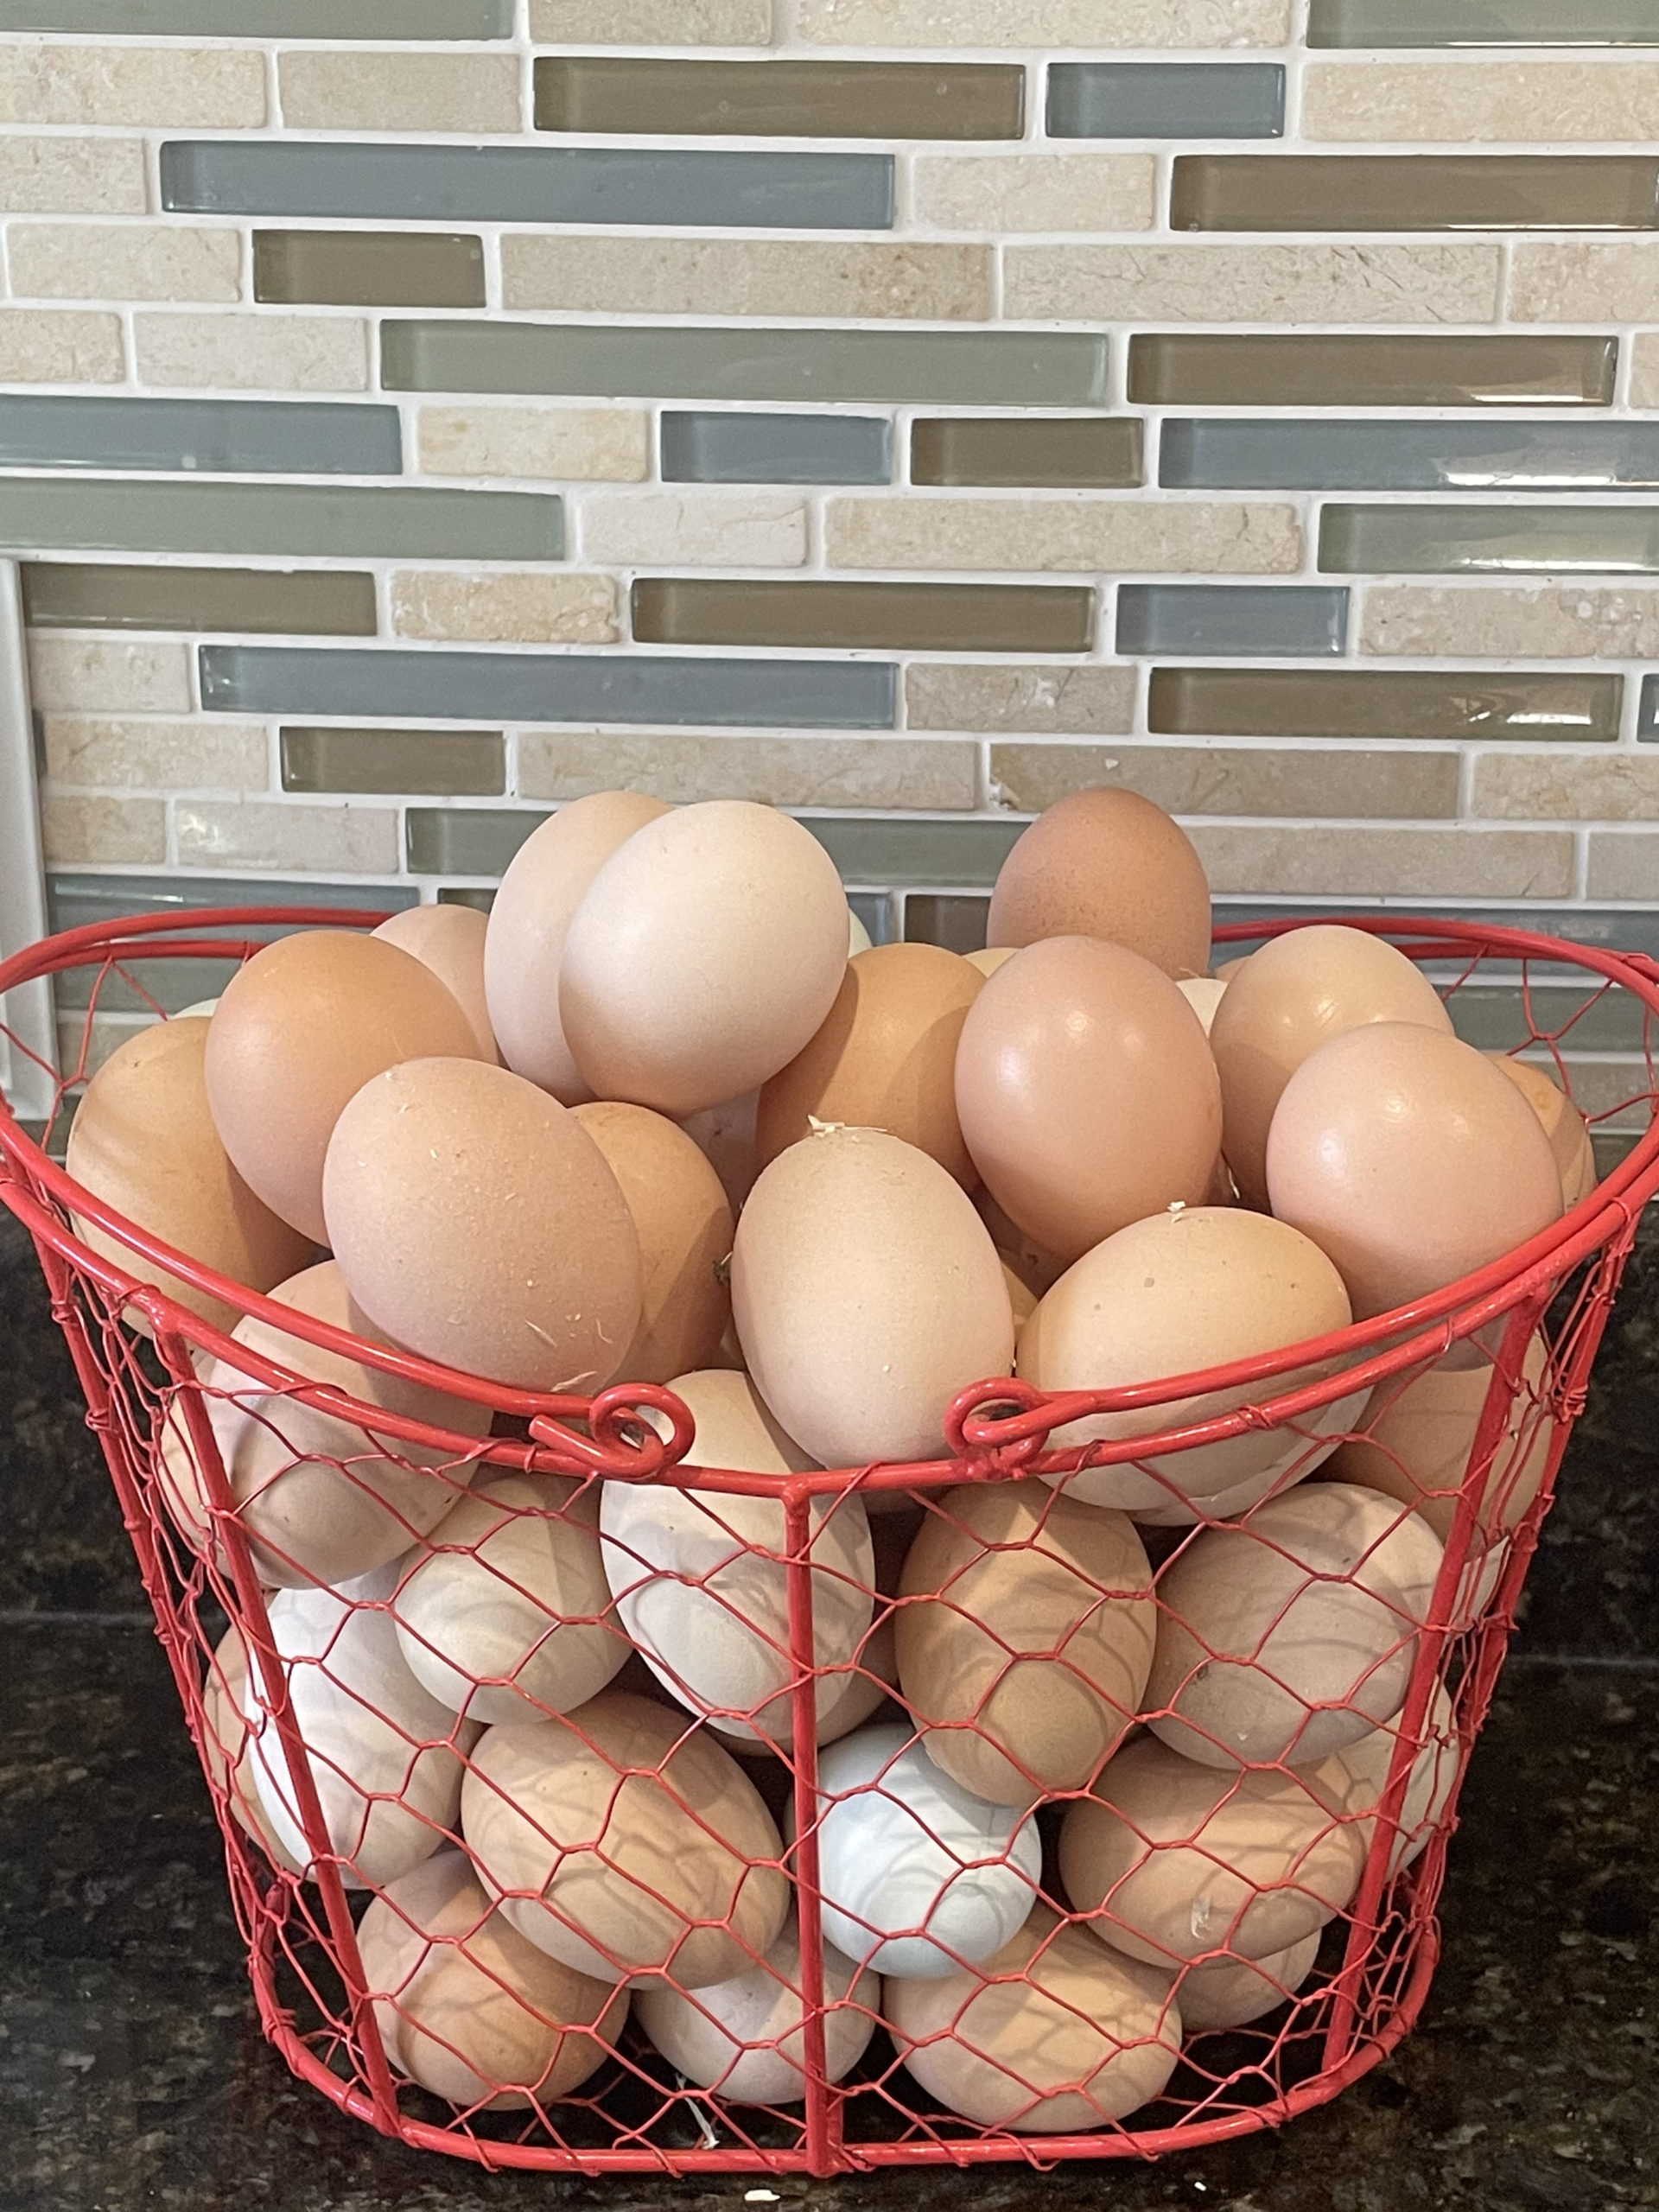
132,2073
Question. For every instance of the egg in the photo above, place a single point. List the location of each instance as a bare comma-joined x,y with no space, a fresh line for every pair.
725,1134
706,954
622,1842
1562,1123
1086,1093
885,1058
1021,1298
299,1030
1107,863
1005,1569
467,2008
743,2038
1293,1633
1174,1861
867,1295
1022,1255
1204,994
1295,995
1430,1787
203,1010
507,1615
1057,2036
685,1226
450,940
546,880
1410,1160
143,1142
918,1876
1215,1994
226,1741
858,937
1225,970
478,1223
992,957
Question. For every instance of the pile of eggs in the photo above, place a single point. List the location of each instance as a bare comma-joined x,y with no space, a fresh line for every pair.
651,1123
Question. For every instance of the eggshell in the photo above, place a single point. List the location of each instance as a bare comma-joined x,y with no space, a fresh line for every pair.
1215,1994
858,937
299,1030
1173,1860
1225,970
1204,994
1007,1568
1562,1123
1086,1093
1429,1789
469,2010
885,1058
203,1009
507,1615
1293,1633
546,880
743,2038
867,1295
1021,1297
725,1136
992,957
450,940
1410,1160
918,1876
226,1741
1071,2040
621,1841
1107,863
1296,993
479,1223
706,954
143,1142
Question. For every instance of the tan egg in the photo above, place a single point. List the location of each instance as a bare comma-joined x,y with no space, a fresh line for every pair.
1021,1297
1562,1123
469,2010
450,940
706,954
478,1223
1293,1633
867,1296
885,1059
1054,2037
992,957
226,1740
1215,1994
725,1136
1430,1787
1204,994
1022,1255
1225,971
1410,1160
1198,1287
143,1142
1296,993
507,1616
1173,1860
1026,1644
546,880
627,1843
1086,1093
1107,863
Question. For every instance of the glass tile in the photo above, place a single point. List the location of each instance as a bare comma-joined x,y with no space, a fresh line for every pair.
1218,369
307,19
959,924
381,268
1231,618
929,618
322,602
1384,704
780,98
228,437
460,763
1166,99
1457,540
1484,22
1414,192
720,448
465,840
1080,450
1235,453
946,855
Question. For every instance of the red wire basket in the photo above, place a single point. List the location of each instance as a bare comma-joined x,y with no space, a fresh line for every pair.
482,1929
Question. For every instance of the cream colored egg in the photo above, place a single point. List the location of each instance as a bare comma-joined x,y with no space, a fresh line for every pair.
203,1010
1436,1772
725,1136
1561,1122
992,957
858,937
226,1740
450,940
1204,994
1215,1994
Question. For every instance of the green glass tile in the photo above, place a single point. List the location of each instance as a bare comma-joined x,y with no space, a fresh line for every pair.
465,840
1203,369
1498,1017
783,98
320,602
959,924
1084,450
964,855
1383,705
1414,192
1489,453
348,19
1166,99
459,763
1484,22
1502,541
467,894
731,449
929,618
214,437
377,268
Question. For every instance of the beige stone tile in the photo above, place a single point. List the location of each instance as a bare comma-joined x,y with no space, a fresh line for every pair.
534,606
652,23
1136,536
1302,859
254,353
1624,866
157,756
123,261
1382,284
42,346
878,772
337,89
1036,192
1579,621
1524,102
209,88
733,530
1567,280
1398,787
118,676
568,444
72,176
259,834
1098,23
1605,787
75,829
1644,369
632,275
1036,700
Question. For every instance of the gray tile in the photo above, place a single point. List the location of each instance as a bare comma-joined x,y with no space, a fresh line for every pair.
144,595
353,19
229,437
1457,540
1620,928
629,688
874,910
946,855
1231,618
1166,99
1484,22
1649,724
85,515
530,184
712,449
1582,1018
461,763
989,368
1237,454
465,840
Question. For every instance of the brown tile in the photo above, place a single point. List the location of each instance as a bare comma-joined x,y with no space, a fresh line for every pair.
1413,192
448,763
818,100
1094,450
320,603
1307,370
885,773
376,269
959,924
932,618
1381,704
1033,702
1235,779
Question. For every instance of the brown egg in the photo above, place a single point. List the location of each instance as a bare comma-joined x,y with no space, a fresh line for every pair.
1107,863
1215,1994
992,957
546,880
1297,994
1005,1569
1086,1092
724,1135
1410,1160
477,1222
1562,1123
299,1031
1054,2037
225,1743
1436,1772
867,1295
450,940
626,1844
706,954
885,1059
467,2007
685,1229
1225,970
